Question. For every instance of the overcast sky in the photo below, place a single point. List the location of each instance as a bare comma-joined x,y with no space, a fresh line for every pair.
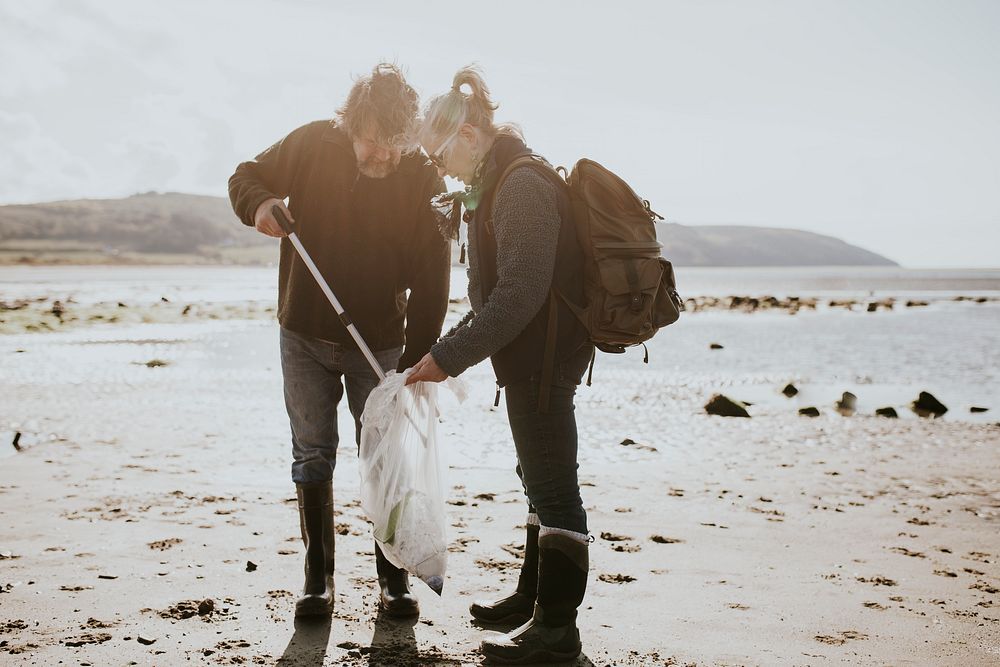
873,121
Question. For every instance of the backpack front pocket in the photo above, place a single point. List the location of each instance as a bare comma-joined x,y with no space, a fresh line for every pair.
630,276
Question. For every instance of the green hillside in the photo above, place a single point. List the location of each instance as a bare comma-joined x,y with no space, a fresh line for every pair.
182,228
148,227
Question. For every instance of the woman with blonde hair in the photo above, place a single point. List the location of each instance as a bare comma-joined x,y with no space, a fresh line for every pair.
524,265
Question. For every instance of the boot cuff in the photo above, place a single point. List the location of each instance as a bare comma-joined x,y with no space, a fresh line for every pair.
574,546
579,537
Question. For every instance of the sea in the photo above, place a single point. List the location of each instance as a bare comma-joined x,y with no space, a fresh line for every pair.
949,347
88,284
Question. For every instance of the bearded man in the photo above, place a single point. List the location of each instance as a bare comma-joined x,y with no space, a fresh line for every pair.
359,199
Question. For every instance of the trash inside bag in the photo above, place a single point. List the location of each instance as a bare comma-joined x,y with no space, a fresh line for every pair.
402,485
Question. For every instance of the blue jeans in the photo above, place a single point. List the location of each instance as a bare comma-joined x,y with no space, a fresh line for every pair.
315,372
546,444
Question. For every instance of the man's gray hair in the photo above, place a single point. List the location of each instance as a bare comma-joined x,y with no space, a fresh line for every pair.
382,102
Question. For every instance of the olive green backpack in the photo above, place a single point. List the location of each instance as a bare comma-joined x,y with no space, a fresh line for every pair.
629,287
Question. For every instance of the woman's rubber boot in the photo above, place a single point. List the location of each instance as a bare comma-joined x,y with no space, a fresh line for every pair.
517,607
316,522
551,635
395,597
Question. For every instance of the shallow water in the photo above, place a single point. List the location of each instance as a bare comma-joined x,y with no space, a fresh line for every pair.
213,284
949,348
838,282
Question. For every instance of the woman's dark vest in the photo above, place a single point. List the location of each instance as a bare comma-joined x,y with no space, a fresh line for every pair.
524,356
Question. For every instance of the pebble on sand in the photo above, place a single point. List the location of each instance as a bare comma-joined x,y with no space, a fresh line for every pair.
976,408
251,566
809,412
885,304
790,390
847,404
927,405
89,638
613,537
889,412
726,407
629,442
716,346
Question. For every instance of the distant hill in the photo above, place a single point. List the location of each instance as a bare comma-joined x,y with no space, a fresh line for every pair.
175,227
732,245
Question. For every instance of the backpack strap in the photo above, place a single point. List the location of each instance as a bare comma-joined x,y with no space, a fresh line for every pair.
549,356
559,176
527,159
632,277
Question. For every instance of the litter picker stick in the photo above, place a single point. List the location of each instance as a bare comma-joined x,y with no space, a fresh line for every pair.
279,215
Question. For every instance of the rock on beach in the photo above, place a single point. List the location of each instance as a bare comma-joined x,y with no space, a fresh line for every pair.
927,405
724,406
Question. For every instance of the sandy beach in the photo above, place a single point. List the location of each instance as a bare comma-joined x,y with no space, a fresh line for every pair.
803,470
149,517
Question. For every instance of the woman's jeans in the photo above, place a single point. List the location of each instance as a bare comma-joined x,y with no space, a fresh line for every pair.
315,372
546,444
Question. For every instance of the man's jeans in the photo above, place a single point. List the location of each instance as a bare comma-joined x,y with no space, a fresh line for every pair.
546,444
313,371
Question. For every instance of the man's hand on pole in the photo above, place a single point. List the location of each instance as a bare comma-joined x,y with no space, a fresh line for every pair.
427,370
263,219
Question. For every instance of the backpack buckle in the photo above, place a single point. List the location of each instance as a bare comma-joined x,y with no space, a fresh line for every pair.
650,212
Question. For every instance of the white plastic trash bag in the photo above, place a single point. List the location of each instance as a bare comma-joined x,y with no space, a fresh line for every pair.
402,486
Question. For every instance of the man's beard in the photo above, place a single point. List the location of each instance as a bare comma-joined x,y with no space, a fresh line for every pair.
373,168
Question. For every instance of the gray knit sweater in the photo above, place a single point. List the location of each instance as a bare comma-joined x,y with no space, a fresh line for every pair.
526,223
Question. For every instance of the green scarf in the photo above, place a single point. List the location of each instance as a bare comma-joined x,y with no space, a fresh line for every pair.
450,204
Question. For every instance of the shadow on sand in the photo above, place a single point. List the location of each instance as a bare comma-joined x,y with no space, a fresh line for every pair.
307,647
393,642
393,645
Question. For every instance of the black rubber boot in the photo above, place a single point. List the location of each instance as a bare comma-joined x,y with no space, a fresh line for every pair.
551,634
316,523
395,597
517,607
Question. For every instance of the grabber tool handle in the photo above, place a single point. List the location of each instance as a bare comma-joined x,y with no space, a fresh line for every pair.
279,216
283,222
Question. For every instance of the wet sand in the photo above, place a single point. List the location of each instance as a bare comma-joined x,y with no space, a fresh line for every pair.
149,518
46,315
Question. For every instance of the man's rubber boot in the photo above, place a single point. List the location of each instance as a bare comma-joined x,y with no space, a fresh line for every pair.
551,635
395,597
316,523
517,607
